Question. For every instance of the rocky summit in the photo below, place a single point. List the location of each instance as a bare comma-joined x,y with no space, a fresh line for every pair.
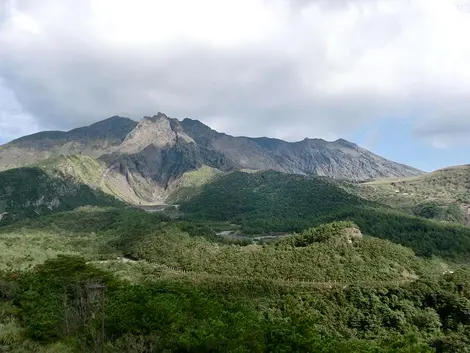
149,158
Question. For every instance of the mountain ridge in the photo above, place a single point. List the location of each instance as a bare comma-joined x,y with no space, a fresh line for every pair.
158,150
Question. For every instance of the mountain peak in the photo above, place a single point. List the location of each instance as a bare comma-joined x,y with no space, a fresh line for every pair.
346,143
112,118
307,139
158,130
109,123
113,129
155,118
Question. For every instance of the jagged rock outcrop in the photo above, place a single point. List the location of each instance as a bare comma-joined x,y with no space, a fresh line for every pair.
158,131
158,149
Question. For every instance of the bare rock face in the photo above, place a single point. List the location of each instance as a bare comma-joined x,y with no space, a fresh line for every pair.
158,131
352,235
146,157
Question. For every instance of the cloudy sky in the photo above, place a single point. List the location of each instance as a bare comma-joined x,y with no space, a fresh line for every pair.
390,75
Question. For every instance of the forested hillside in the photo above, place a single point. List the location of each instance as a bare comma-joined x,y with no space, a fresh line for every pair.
271,201
180,288
31,192
254,218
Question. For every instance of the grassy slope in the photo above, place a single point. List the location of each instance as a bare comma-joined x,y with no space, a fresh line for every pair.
88,171
191,184
442,195
82,168
271,201
133,189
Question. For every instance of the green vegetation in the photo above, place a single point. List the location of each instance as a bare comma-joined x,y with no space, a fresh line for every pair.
191,183
442,195
31,192
272,201
88,171
326,289
92,232
252,261
268,201
340,282
335,260
84,169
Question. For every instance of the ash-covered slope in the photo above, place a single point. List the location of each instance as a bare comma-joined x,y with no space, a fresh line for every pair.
338,159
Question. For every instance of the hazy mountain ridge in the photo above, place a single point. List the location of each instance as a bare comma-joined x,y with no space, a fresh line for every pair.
150,156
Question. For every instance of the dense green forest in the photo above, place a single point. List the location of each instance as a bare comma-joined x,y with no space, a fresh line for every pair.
272,201
181,288
54,309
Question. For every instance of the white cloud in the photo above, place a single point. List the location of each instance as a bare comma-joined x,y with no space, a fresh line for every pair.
285,68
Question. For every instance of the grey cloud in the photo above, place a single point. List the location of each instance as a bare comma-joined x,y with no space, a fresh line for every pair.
445,127
331,4
72,78
446,123
259,95
445,132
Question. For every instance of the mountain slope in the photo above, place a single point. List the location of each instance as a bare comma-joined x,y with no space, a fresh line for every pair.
129,186
30,192
443,194
273,201
97,175
160,151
